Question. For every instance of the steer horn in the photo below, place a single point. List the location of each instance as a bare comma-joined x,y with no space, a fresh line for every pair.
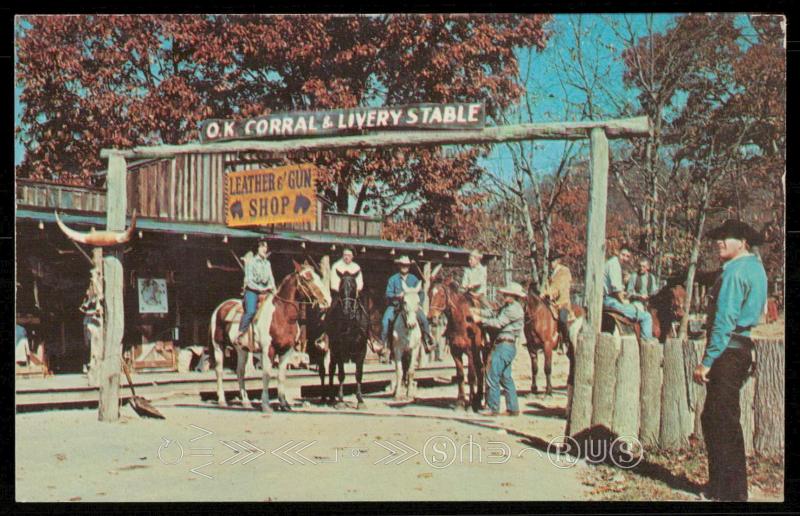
99,238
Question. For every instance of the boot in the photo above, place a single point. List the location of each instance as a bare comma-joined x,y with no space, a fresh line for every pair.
427,341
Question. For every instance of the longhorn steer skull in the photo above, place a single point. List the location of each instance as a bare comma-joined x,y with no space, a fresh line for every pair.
99,238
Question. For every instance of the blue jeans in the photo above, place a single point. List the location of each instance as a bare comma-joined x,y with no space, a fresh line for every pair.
631,312
389,315
250,303
499,376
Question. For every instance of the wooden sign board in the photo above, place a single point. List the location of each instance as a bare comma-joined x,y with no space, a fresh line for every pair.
457,115
271,196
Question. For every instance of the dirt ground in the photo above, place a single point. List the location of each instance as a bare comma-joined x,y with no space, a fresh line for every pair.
420,451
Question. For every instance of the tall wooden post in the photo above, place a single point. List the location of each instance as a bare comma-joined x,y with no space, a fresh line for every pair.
114,281
581,403
97,340
426,278
596,231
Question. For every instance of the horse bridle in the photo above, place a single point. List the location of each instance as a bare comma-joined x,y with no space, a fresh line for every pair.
303,290
447,303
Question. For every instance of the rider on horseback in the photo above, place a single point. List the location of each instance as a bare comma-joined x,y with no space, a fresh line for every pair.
557,292
474,280
346,265
258,280
394,295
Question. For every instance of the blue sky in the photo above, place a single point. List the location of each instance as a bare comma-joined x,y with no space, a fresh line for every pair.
599,46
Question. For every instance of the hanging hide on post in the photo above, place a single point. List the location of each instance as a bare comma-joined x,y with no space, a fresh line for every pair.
102,238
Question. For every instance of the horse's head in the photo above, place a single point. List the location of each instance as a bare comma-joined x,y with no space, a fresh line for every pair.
348,287
678,300
310,284
411,303
438,302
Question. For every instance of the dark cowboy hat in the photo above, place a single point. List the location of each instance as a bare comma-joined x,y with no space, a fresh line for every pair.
555,255
736,229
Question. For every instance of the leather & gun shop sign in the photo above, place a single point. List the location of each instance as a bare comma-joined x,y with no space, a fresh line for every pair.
277,125
270,196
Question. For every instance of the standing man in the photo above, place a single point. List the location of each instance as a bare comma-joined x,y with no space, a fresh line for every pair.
343,266
394,295
739,296
642,285
558,290
258,280
474,280
509,323
614,293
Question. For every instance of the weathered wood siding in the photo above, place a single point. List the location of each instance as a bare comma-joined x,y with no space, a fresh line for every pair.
48,195
187,188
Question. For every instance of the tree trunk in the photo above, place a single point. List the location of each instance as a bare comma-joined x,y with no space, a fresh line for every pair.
689,286
626,420
580,414
531,236
652,357
605,379
769,396
692,355
747,417
676,423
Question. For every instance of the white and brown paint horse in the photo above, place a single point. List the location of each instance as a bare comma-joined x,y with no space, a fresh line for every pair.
275,331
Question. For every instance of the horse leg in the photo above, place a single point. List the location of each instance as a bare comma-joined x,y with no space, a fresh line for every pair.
481,363
266,373
241,363
534,369
416,356
548,368
340,393
471,377
458,358
331,390
398,381
359,376
282,364
218,356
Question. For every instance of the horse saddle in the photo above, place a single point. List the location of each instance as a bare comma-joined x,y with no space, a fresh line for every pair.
614,318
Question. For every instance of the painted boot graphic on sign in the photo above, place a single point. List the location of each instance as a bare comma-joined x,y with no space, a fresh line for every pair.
301,204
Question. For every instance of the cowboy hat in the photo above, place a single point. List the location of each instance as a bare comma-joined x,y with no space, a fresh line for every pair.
477,254
736,229
513,289
403,260
555,255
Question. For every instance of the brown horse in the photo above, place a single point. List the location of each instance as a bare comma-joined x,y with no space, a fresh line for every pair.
541,332
666,307
279,313
464,337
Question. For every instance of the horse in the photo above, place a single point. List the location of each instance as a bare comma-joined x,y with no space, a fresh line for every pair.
541,332
464,336
665,308
347,326
275,331
406,343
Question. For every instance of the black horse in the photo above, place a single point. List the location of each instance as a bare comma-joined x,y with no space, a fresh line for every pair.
347,326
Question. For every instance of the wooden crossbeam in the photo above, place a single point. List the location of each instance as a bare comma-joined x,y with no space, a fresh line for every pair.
622,128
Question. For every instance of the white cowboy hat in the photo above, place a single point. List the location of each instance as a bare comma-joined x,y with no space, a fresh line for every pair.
477,254
513,289
403,260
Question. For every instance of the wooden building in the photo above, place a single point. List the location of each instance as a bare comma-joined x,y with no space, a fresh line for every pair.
182,242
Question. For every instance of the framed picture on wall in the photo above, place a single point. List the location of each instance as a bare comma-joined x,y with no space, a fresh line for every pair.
152,296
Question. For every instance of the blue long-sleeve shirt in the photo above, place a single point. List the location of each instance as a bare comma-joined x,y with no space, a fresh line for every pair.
394,287
741,293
